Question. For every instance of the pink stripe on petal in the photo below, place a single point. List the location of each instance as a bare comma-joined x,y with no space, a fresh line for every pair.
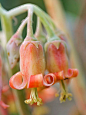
16,81
35,81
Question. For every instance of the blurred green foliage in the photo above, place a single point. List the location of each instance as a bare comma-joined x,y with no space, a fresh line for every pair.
72,6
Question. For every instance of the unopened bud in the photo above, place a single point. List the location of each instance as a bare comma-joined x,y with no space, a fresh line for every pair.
13,49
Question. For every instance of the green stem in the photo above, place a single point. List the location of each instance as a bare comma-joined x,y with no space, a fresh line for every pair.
23,8
21,27
6,23
38,28
7,28
63,86
43,16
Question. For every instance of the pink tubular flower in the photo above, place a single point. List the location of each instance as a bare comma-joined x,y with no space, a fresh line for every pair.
32,65
57,60
2,89
58,66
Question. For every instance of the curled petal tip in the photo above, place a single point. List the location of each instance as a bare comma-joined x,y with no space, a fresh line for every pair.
16,81
49,79
52,78
72,73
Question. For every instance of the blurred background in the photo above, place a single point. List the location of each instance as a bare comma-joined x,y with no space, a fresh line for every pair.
75,21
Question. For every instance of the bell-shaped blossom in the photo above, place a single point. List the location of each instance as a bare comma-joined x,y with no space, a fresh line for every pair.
32,63
57,63
32,68
13,49
57,60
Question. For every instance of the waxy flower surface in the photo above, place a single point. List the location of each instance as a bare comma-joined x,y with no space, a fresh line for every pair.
32,65
57,60
57,63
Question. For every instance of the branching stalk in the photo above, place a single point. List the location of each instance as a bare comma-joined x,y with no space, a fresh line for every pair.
38,12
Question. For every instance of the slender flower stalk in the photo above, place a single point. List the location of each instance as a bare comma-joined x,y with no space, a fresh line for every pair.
37,10
6,23
39,34
39,13
21,27
38,27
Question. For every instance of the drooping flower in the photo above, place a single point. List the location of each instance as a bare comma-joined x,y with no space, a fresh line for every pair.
32,62
32,67
57,62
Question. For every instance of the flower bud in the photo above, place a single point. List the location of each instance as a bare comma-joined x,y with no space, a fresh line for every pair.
13,49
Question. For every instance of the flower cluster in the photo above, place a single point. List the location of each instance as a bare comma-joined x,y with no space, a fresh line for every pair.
35,59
